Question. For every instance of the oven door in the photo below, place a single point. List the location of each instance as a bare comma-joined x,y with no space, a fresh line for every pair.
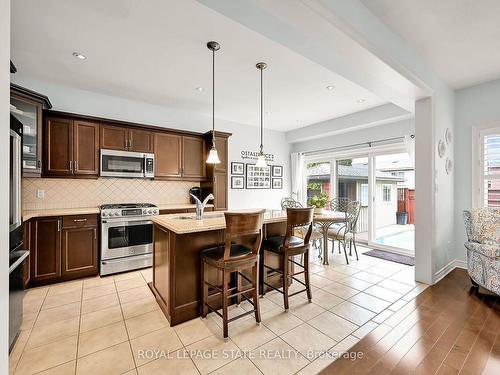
123,237
122,164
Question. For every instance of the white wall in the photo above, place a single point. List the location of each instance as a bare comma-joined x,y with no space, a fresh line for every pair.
476,106
244,137
4,187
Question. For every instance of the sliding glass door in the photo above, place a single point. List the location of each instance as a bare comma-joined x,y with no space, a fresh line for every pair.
393,202
383,181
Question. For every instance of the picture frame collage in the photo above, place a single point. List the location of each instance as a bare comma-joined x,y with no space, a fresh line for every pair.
249,176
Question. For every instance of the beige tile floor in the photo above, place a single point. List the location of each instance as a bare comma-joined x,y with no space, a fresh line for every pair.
113,325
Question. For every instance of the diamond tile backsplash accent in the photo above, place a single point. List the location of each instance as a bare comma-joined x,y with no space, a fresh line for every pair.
77,193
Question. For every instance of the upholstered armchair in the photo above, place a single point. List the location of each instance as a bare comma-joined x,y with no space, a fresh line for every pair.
483,247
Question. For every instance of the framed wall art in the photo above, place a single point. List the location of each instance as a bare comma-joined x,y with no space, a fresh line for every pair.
237,168
258,177
277,183
237,182
277,170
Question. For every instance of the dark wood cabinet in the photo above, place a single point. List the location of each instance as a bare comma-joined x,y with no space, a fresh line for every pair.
58,150
179,157
71,148
85,148
217,174
168,154
79,252
140,140
193,157
126,139
45,250
27,106
63,248
114,137
27,246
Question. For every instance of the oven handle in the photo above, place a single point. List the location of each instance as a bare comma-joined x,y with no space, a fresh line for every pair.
123,221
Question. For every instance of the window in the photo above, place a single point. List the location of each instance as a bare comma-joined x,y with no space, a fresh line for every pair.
364,195
489,162
386,193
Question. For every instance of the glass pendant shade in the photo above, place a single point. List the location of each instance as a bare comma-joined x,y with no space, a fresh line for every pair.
261,161
213,157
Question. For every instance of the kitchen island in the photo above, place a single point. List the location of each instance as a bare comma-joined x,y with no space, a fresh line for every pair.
178,242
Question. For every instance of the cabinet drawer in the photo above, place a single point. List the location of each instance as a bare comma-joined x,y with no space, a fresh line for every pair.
73,221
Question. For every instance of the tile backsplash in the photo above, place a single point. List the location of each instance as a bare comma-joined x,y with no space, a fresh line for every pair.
76,193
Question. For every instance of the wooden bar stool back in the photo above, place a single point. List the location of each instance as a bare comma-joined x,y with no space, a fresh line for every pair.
243,239
287,247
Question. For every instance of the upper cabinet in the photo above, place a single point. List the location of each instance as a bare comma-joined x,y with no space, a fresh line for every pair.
71,148
179,157
27,106
193,158
126,139
217,174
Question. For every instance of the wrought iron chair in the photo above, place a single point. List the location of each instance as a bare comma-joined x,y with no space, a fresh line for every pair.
316,236
345,233
338,204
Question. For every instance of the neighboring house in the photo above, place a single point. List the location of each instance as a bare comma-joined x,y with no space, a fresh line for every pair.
353,184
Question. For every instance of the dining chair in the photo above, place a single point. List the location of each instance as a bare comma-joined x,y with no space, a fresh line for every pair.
316,236
287,247
345,232
232,258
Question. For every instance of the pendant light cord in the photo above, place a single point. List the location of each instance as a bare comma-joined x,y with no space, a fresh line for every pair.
213,98
261,113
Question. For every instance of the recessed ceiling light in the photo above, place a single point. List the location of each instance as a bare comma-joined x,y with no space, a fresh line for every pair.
330,87
361,101
79,56
200,89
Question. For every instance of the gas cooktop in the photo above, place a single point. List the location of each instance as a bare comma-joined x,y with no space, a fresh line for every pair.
126,205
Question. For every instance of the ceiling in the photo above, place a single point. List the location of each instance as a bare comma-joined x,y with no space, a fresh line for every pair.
154,51
458,38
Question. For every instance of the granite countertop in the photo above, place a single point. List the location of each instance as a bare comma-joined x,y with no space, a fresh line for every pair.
29,214
210,221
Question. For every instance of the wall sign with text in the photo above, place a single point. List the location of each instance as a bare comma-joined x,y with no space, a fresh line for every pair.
254,154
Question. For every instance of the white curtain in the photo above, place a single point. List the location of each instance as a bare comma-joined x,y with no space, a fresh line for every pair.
297,167
410,147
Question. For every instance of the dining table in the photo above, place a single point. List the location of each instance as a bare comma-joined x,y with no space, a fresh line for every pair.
324,220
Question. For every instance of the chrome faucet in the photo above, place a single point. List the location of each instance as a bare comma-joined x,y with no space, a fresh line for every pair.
200,207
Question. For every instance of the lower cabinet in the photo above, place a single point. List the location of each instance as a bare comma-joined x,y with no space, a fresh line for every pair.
63,249
79,252
45,250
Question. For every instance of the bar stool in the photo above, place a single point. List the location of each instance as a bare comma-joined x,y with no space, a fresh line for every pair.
234,257
287,247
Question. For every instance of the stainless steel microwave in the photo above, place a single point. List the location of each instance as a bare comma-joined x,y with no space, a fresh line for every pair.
115,163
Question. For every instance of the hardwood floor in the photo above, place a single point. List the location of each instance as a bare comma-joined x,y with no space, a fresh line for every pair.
446,329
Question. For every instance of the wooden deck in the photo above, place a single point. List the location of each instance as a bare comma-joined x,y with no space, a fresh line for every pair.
445,330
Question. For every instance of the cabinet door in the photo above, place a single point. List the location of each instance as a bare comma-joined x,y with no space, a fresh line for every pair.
140,140
58,147
86,148
27,246
220,191
79,252
29,113
114,137
193,158
45,250
221,145
168,155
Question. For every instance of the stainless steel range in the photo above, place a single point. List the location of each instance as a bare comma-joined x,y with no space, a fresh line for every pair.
126,236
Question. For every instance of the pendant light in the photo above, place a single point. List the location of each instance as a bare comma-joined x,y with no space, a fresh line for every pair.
261,159
213,158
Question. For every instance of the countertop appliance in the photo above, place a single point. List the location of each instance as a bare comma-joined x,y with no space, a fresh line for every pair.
115,163
196,191
126,236
17,254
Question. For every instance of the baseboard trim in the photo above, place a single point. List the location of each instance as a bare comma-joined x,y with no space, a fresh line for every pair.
455,263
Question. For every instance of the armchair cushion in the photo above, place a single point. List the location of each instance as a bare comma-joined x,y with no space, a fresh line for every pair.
491,251
485,226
